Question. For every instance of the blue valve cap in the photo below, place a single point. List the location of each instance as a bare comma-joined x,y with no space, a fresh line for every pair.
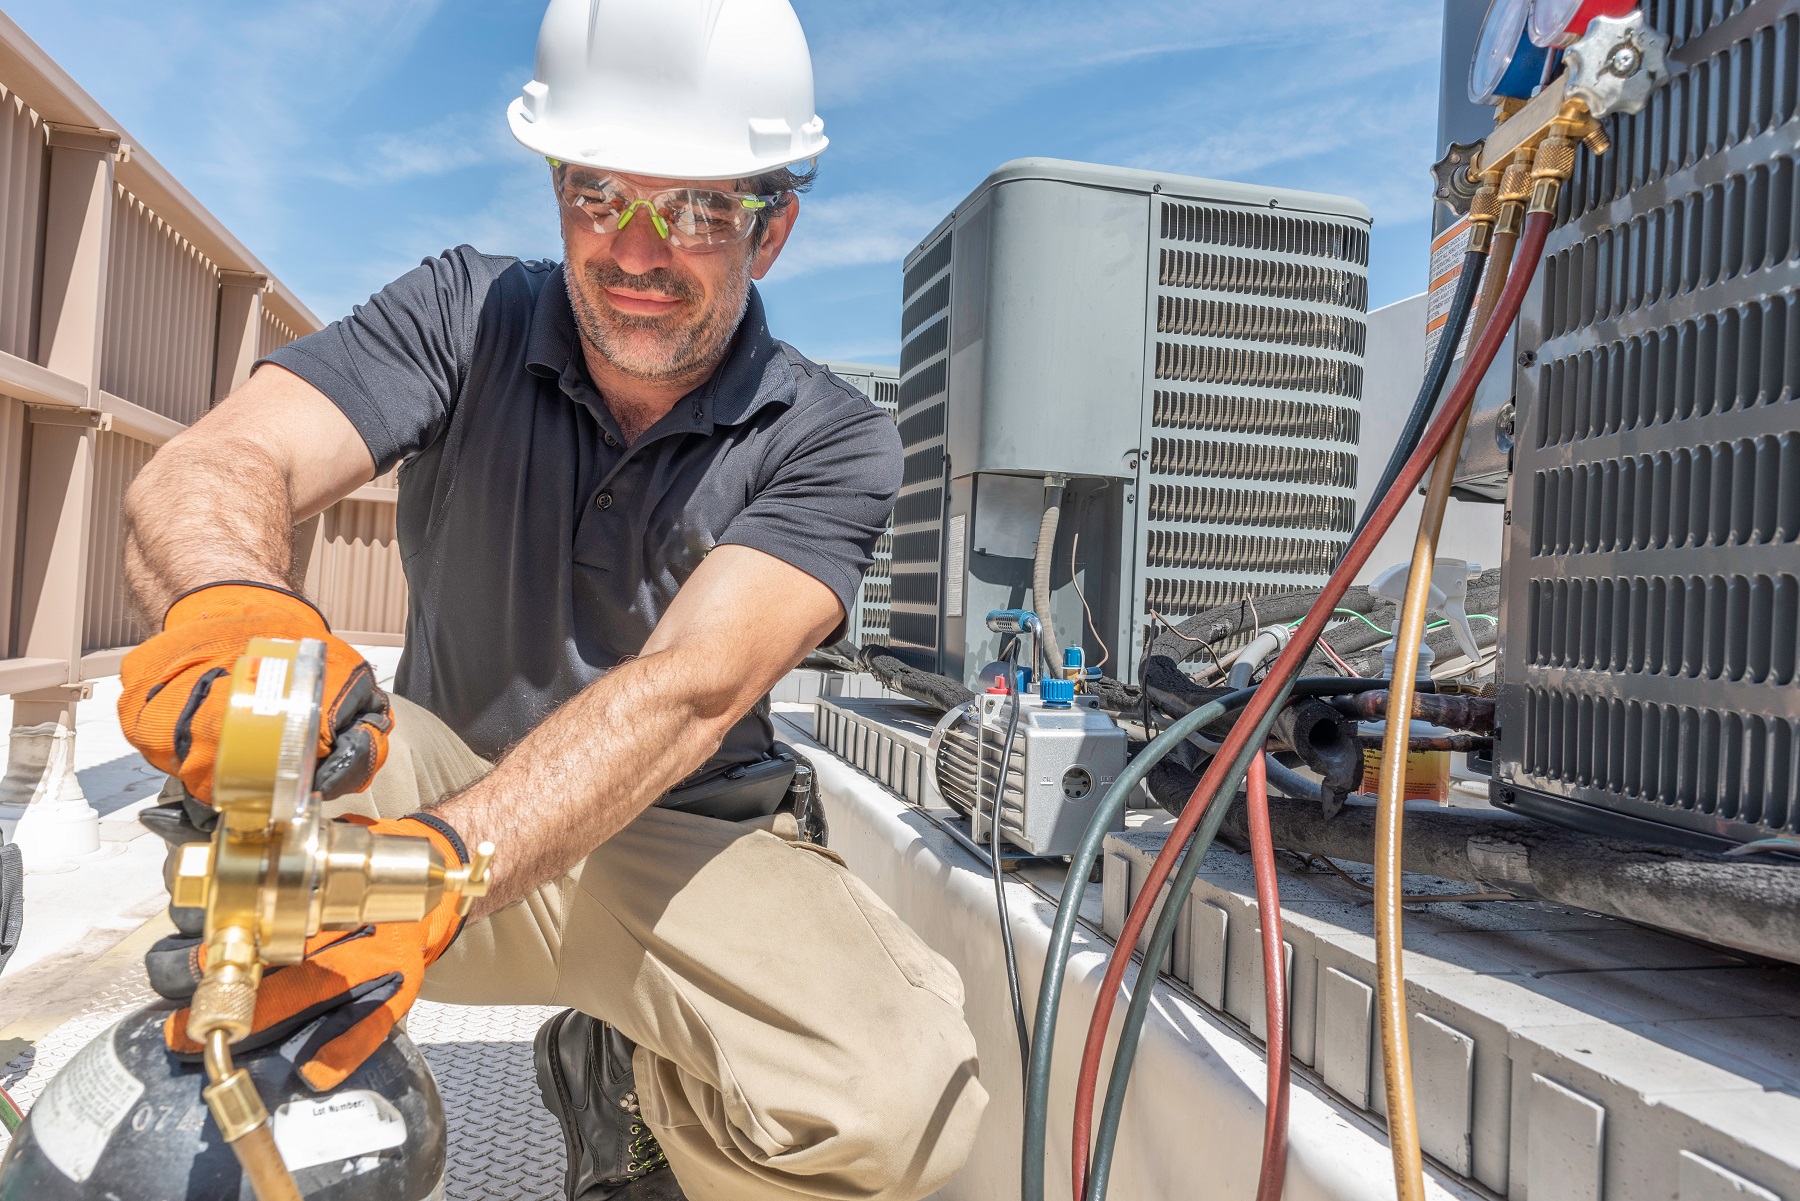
1057,694
1072,657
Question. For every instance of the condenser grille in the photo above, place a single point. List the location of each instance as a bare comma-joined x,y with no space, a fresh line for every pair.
1275,278
1650,580
1257,369
1700,627
1255,230
919,510
1253,461
1722,494
1270,326
1719,771
1244,506
1724,361
1167,596
1240,552
1259,323
1255,415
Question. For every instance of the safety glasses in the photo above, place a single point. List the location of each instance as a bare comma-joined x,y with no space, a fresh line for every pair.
697,220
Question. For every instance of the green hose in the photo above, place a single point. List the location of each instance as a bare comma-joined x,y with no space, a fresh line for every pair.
1087,853
1056,960
1106,1132
11,1117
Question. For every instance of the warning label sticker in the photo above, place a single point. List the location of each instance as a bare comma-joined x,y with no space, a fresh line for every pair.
84,1104
1447,251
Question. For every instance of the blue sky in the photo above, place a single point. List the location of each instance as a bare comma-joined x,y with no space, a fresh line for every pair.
343,140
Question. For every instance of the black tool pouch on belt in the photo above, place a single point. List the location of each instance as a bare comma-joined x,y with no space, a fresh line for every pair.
741,792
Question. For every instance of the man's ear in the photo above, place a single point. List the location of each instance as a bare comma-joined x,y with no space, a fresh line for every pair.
781,224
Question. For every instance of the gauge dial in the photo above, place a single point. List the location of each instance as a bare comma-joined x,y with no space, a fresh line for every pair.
1560,23
1507,65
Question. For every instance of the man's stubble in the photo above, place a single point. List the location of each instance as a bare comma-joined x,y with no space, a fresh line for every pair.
658,348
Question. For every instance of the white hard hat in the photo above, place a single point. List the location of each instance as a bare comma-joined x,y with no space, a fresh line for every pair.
682,89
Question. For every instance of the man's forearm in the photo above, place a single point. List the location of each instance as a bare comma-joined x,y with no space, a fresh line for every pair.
201,512
588,770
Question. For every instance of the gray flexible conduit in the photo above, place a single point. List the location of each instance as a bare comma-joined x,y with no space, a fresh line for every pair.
1040,570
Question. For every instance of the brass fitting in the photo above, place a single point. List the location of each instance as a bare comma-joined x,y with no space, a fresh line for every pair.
1554,163
1515,190
1596,140
1484,207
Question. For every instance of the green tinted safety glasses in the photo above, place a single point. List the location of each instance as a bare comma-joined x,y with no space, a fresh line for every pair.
696,220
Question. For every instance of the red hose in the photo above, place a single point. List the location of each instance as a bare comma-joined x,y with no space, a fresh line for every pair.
1268,909
1481,356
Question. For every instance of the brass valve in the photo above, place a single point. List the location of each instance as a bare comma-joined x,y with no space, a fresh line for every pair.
276,873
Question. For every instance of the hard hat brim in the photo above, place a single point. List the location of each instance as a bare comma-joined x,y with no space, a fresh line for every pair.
638,151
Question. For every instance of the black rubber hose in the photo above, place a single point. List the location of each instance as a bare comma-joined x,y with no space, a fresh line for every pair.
1433,385
940,692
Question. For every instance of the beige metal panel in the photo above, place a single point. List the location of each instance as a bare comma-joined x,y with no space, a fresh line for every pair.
35,76
273,332
23,160
360,584
109,621
162,299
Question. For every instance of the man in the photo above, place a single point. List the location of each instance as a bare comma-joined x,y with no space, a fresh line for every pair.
625,511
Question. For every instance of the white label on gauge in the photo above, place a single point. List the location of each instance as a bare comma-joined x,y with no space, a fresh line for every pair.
271,686
343,1126
953,578
75,1118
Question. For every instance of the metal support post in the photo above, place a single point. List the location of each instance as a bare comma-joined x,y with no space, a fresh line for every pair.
40,792
240,330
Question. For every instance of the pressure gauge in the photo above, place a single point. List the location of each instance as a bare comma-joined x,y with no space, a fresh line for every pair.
1507,64
1560,23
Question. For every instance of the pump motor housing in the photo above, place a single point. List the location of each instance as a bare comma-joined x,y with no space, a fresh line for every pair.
1064,759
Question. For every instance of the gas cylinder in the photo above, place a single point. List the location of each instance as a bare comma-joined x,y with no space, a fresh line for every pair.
125,1121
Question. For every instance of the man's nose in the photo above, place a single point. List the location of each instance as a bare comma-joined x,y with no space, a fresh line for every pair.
639,248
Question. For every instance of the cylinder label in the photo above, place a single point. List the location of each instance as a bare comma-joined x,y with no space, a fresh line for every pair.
342,1126
75,1118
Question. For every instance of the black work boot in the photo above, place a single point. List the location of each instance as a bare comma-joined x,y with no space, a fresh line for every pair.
584,1075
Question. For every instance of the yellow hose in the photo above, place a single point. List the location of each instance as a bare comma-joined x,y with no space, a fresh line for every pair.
1396,1052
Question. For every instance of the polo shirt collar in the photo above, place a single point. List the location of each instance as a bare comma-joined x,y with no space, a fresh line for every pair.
754,374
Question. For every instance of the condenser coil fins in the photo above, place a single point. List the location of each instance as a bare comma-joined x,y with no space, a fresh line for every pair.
1652,574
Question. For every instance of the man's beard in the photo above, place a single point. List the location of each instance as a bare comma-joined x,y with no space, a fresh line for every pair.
673,348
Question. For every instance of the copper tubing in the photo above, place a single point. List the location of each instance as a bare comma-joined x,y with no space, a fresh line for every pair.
1396,1053
254,1146
1274,953
1445,709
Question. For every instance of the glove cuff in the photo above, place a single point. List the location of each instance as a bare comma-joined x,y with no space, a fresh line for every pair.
444,836
191,608
445,829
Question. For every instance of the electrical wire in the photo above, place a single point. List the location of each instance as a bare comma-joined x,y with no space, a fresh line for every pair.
1275,1006
1006,935
1462,302
1075,579
1201,818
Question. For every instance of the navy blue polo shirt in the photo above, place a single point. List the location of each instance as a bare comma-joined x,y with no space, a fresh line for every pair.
539,549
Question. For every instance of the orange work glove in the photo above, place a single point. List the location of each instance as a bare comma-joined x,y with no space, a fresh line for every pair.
356,984
172,711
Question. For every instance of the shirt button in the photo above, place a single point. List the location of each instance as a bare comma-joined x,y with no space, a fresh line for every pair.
609,439
603,501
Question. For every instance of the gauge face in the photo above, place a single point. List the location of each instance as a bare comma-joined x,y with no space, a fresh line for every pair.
1560,23
1507,65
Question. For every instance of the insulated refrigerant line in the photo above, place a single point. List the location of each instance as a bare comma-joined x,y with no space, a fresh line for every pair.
1227,768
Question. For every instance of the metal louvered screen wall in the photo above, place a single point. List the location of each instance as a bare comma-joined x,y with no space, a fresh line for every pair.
868,621
1255,366
919,512
1652,574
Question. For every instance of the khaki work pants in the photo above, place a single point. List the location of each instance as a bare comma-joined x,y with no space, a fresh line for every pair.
794,1037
